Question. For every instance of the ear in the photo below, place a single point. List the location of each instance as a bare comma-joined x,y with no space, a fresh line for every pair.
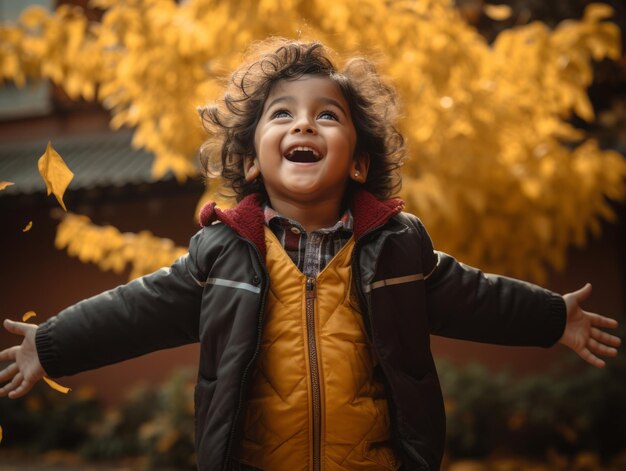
251,168
360,166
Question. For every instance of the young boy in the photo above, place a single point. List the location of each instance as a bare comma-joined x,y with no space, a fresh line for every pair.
314,298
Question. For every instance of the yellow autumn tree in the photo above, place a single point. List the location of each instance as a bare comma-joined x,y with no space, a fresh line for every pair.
496,171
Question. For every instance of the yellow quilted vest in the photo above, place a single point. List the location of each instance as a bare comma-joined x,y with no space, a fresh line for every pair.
314,404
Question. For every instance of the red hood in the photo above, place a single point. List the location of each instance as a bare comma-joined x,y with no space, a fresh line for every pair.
247,219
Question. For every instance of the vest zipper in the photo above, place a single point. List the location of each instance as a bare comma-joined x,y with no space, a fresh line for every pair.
311,294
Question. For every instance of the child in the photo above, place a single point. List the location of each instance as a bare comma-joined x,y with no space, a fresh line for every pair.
313,300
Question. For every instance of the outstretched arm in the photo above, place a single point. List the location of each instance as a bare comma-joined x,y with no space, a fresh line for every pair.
26,370
584,330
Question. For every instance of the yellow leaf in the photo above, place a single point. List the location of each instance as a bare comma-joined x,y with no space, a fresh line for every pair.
3,185
28,315
56,386
55,173
597,12
0,433
28,226
583,107
498,12
34,16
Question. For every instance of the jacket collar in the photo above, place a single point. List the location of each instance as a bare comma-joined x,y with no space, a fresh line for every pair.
369,212
247,219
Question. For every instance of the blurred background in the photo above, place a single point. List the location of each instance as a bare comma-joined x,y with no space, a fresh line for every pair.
515,117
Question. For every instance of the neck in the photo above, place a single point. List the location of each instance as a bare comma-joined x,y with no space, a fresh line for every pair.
312,216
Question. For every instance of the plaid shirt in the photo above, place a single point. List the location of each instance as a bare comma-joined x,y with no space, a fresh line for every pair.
309,252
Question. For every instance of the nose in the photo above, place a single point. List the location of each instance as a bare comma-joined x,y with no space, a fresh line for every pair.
303,126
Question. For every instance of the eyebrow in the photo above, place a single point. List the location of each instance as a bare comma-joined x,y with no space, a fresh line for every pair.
330,101
325,100
279,100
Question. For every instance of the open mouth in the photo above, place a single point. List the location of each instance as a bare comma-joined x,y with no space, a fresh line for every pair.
303,155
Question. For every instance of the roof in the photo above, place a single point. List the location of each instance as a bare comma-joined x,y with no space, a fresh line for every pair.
97,160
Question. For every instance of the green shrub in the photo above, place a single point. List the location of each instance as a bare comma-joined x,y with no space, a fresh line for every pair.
46,420
156,423
567,410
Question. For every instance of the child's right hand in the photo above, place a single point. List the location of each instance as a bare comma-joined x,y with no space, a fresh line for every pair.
26,369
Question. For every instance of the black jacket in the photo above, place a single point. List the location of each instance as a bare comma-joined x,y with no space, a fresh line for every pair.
216,293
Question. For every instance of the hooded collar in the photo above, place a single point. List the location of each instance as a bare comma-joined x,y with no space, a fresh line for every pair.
247,218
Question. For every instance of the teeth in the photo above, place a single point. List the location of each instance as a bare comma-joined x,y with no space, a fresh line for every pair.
303,149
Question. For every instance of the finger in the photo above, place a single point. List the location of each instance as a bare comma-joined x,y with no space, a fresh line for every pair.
602,321
9,353
583,293
590,358
15,382
17,328
7,387
605,337
8,372
601,349
22,389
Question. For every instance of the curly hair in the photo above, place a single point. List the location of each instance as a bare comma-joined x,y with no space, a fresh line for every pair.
232,121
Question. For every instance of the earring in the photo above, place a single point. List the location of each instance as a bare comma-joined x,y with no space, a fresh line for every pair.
357,173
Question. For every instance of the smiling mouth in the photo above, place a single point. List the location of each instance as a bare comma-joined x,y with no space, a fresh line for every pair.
303,155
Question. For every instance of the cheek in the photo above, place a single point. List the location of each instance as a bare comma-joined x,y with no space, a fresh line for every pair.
266,138
348,143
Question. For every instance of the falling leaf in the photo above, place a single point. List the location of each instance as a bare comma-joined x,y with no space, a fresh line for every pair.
56,386
28,315
28,226
3,185
498,12
55,173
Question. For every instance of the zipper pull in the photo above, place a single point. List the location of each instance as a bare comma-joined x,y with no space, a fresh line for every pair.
310,288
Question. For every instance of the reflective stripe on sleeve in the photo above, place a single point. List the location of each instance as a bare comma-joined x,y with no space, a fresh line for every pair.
226,283
394,281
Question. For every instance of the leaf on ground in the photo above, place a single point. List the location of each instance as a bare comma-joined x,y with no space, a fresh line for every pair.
28,226
56,386
3,185
55,173
28,315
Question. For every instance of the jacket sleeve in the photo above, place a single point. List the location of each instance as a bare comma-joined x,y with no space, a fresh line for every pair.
157,311
463,302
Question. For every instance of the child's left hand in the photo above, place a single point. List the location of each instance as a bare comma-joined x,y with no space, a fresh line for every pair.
583,332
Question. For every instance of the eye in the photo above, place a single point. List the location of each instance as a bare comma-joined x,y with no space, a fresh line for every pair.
280,114
328,115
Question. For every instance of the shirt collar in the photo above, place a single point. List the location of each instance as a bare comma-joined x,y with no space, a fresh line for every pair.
274,218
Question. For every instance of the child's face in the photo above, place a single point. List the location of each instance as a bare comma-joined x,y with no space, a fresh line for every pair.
305,142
